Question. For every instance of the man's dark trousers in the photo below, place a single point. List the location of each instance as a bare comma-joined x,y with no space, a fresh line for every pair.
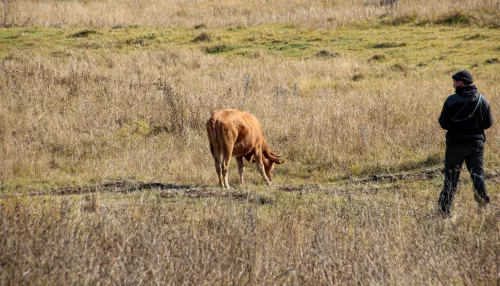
454,158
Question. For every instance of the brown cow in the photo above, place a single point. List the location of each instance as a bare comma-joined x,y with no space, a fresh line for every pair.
237,133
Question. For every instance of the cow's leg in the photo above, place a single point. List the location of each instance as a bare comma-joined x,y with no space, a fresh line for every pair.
218,167
227,144
225,167
241,168
260,167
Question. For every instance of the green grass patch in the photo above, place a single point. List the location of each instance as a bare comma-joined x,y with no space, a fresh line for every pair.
406,43
286,47
141,40
31,31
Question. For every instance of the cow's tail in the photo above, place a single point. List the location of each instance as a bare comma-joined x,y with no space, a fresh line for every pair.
210,133
213,138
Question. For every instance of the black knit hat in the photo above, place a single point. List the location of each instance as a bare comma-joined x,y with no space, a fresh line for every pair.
464,76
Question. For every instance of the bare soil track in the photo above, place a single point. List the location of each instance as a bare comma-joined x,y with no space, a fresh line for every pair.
193,192
165,191
419,175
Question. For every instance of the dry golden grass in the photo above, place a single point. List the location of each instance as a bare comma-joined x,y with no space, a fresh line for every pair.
106,176
97,115
318,236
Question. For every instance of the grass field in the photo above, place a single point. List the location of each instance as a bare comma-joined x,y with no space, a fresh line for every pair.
105,170
95,104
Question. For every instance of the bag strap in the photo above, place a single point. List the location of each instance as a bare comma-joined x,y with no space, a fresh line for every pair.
472,114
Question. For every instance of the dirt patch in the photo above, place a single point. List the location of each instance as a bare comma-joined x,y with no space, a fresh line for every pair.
395,177
410,176
113,187
165,191
328,189
417,176
206,193
359,185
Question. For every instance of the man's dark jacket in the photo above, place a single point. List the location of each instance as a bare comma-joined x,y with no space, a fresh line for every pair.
464,118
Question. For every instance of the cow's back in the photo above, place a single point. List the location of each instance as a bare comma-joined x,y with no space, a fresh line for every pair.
235,127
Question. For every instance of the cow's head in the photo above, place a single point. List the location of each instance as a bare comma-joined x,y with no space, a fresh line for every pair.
271,162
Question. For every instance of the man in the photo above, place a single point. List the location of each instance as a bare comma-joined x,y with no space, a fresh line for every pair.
466,114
